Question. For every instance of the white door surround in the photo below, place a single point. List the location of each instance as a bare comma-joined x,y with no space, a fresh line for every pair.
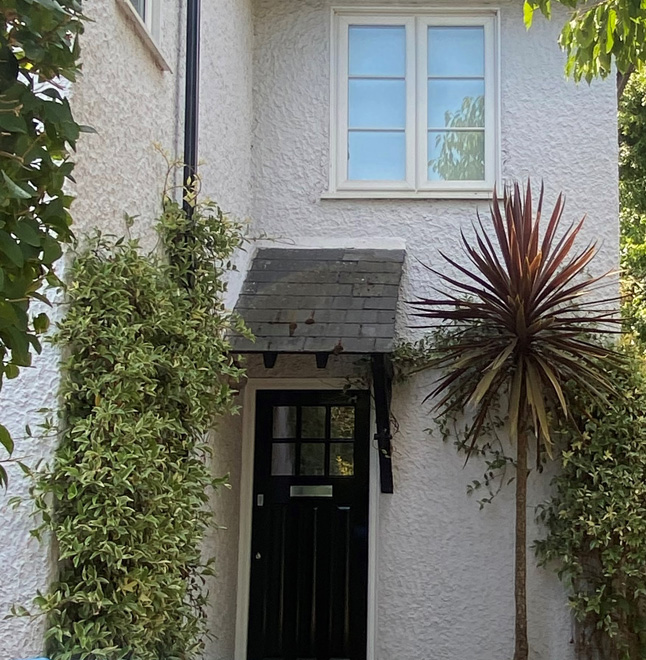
246,504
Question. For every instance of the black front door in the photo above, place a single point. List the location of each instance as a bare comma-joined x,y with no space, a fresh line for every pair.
309,553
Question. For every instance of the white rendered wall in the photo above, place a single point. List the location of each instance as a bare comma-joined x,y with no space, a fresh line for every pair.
226,118
132,104
445,571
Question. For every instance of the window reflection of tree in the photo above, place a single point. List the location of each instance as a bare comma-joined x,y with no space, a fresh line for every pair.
461,156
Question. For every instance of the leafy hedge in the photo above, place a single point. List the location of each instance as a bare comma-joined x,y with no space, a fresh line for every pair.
596,520
38,53
147,375
632,186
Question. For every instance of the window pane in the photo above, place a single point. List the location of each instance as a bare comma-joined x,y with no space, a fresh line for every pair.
376,156
140,6
341,459
377,50
284,422
455,103
313,422
456,51
342,422
283,459
376,104
312,459
456,156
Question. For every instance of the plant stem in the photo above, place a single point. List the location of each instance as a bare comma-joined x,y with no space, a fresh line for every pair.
520,568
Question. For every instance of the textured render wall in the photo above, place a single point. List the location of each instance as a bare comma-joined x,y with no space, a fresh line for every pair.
445,568
226,111
132,104
225,154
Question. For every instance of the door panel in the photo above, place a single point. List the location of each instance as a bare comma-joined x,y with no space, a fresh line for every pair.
309,555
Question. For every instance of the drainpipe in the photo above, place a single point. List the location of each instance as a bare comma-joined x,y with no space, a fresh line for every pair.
192,95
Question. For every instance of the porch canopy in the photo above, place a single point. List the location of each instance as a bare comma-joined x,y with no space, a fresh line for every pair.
320,301
327,301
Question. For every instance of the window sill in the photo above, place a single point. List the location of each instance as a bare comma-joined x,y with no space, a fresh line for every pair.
409,194
140,28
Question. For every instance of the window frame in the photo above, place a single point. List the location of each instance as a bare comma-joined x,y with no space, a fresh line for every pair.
148,27
151,18
416,21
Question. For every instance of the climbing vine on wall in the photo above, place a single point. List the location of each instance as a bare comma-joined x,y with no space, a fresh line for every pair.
148,373
596,522
39,54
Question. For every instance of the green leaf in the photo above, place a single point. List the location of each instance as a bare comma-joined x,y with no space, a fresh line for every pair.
5,439
13,189
611,26
41,323
12,123
52,250
28,234
528,13
11,249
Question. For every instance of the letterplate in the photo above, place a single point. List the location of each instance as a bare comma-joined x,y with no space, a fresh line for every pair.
311,491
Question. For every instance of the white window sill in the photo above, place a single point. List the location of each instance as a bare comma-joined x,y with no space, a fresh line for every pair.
140,28
409,194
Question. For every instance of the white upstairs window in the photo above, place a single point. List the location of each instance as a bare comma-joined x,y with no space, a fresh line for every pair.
140,8
149,12
415,104
145,16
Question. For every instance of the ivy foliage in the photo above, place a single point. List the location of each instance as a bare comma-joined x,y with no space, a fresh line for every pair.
632,188
38,53
148,374
596,520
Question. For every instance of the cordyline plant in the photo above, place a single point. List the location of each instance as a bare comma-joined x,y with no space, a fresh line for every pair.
521,325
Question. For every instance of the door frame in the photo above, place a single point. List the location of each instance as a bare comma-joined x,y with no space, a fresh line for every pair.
246,505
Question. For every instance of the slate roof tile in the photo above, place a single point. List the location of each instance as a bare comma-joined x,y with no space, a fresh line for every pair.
320,300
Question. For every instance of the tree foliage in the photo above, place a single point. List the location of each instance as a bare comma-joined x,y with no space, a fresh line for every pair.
38,53
599,34
147,374
596,520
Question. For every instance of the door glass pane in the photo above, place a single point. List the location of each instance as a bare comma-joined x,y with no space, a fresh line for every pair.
456,51
376,156
284,422
283,459
312,459
377,50
455,103
341,459
313,422
342,422
377,103
456,156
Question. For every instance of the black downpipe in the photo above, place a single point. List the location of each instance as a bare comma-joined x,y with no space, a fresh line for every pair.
192,97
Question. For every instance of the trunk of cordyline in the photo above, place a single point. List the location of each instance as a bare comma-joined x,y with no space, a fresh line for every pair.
520,568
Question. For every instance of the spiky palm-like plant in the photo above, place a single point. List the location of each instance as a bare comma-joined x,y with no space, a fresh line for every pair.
522,322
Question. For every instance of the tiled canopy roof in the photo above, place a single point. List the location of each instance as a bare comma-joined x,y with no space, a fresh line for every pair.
323,300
